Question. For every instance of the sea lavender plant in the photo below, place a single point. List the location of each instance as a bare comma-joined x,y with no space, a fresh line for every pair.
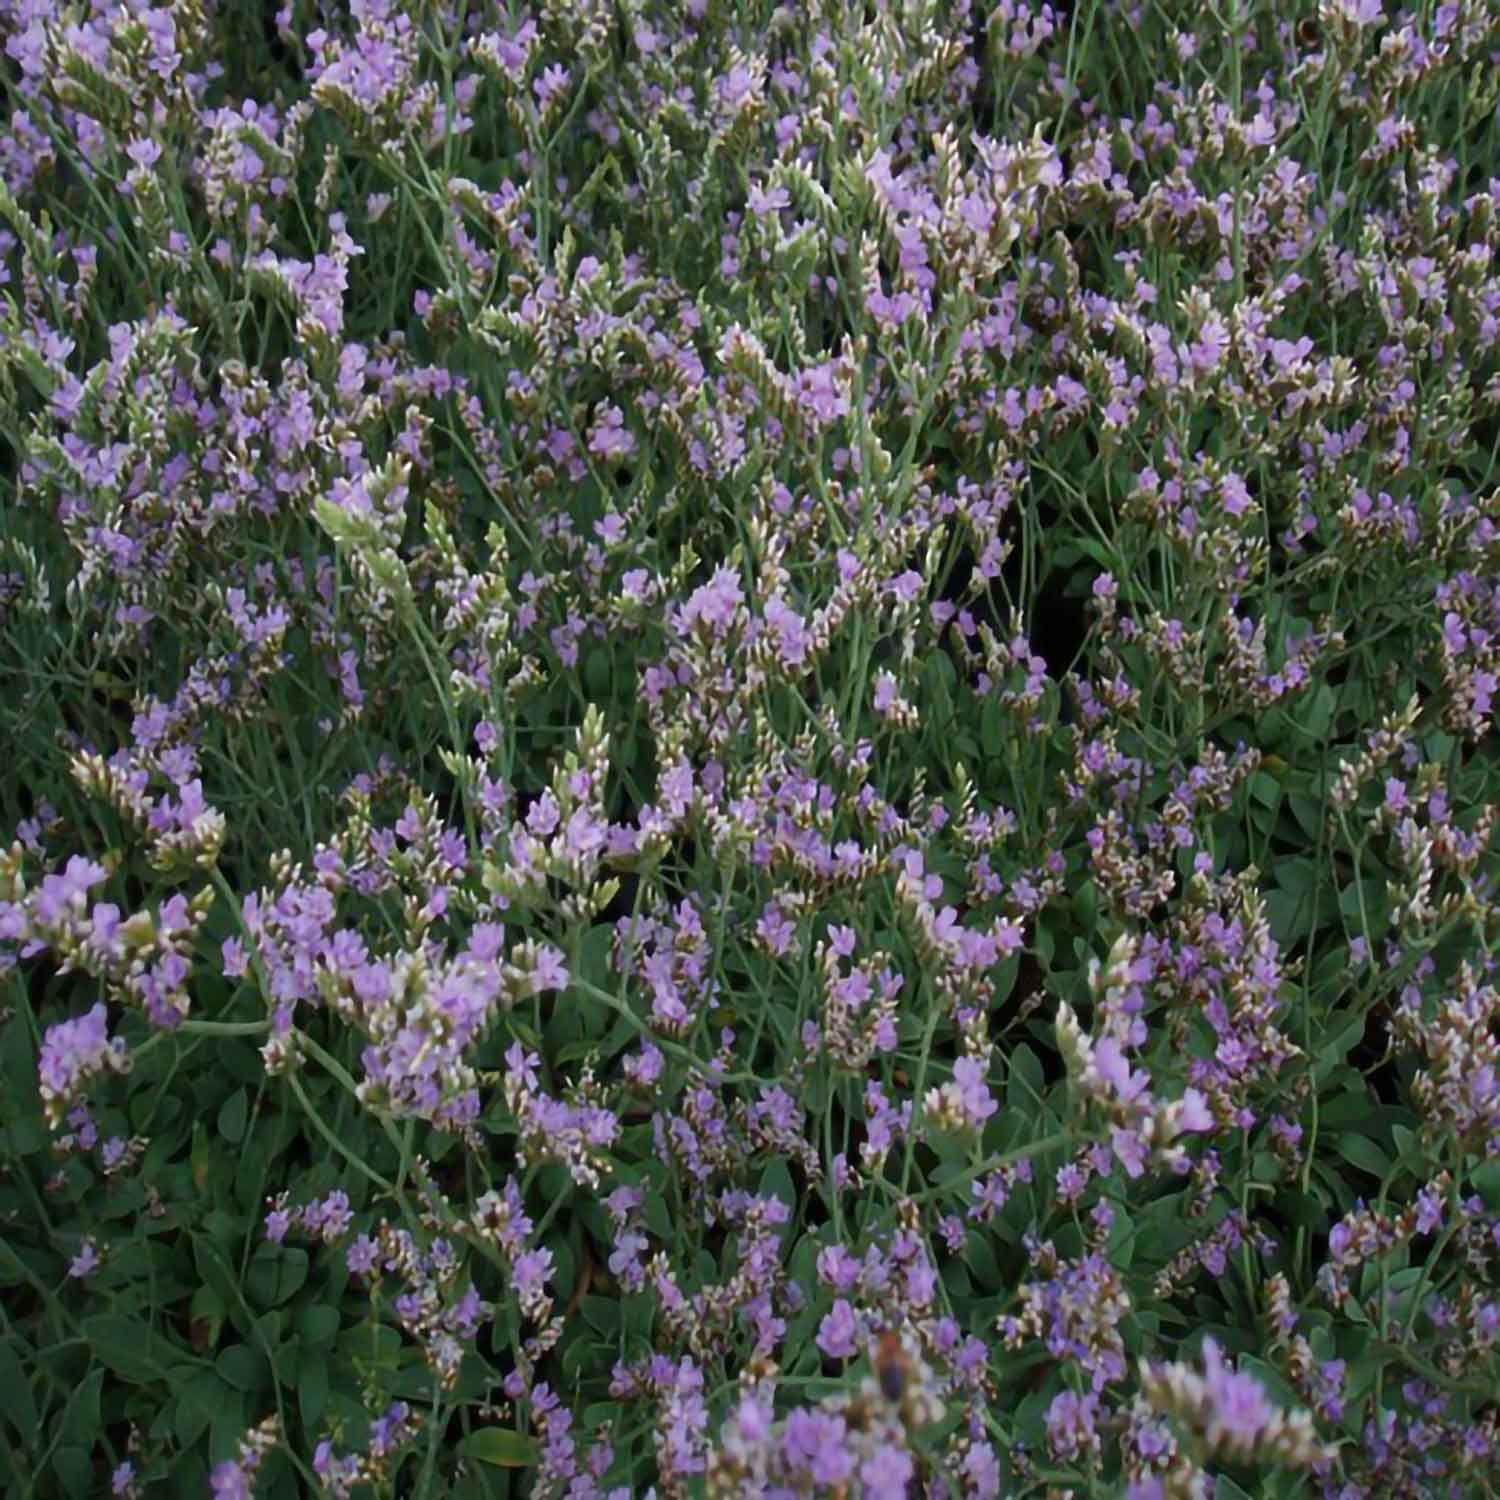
752,748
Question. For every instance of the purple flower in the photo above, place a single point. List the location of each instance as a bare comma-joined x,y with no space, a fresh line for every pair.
531,1271
753,1418
552,82
72,1053
1071,1425
67,893
625,1260
886,1474
1429,1211
768,201
815,1443
819,394
1115,1070
1240,1405
230,1482
86,1262
1195,1112
716,604
609,438
1129,1151
362,1256
980,1471
551,972
838,1332
736,85
979,1104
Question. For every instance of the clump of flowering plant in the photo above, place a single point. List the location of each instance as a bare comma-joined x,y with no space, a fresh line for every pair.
751,748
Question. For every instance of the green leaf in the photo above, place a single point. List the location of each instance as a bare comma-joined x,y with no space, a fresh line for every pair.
657,1219
1023,1081
1086,904
251,1163
1265,789
956,1280
1308,813
198,1401
24,1133
233,1115
312,1392
1226,1489
502,1447
637,1315
318,1325
1046,942
17,1400
1314,713
74,1467
1332,1049
1486,1180
981,1260
207,1313
1402,1287
580,1357
992,723
597,673
1301,1210
1275,1383
214,1271
1366,901
130,1348
244,1368
372,1347
82,1421
1297,877
275,1274
1360,1151
602,1314
1338,1189
938,673
1409,1148
1266,1168
1288,916
776,1182
228,1428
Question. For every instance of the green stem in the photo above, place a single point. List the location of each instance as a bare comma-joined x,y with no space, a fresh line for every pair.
994,1163
317,1122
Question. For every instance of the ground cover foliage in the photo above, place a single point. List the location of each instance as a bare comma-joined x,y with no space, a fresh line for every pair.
749,750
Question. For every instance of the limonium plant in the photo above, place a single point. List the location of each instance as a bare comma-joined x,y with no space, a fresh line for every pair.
750,748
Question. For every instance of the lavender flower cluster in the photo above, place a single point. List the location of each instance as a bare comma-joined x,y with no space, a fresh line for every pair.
753,747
